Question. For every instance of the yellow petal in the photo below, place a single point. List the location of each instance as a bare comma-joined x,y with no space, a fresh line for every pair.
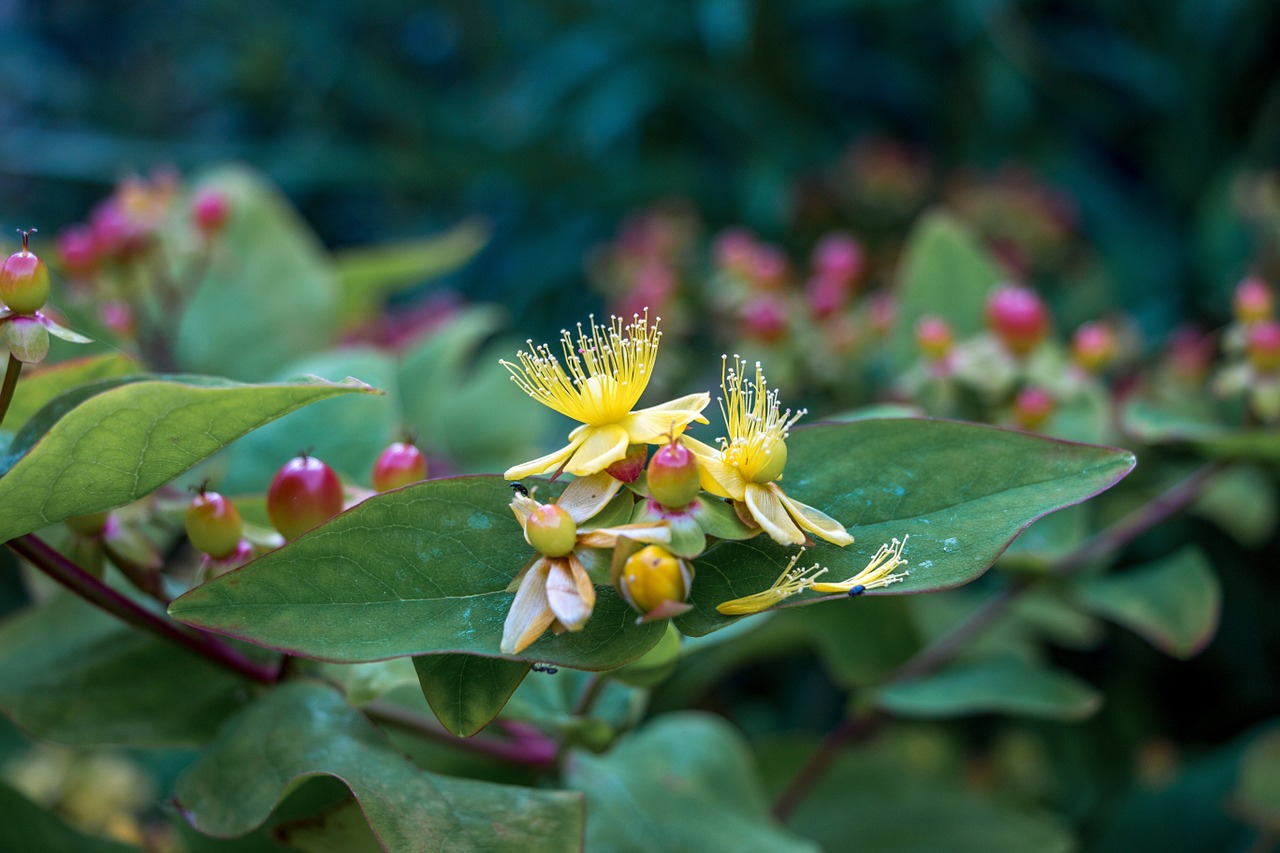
714,476
815,521
607,537
549,464
586,496
530,614
570,593
654,424
600,447
771,515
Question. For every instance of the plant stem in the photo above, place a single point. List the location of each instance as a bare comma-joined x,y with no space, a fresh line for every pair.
10,383
48,560
587,699
526,748
941,651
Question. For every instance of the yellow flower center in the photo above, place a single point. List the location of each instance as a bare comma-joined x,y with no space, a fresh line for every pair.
603,374
756,445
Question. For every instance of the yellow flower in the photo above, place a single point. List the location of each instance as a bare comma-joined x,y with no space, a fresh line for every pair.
556,591
876,574
752,457
602,377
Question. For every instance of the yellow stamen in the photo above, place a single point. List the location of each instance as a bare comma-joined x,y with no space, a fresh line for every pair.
603,374
757,426
791,581
877,573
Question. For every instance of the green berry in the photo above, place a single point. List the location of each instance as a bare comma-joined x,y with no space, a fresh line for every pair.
673,476
214,525
552,531
24,281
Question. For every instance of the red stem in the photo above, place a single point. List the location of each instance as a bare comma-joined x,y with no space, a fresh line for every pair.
10,383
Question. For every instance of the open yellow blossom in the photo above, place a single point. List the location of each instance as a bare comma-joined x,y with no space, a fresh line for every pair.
555,591
876,574
752,457
603,374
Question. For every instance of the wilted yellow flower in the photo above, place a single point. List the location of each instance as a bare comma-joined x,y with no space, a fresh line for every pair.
556,590
754,455
602,377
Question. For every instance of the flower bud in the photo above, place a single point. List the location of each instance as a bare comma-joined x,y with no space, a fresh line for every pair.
552,531
673,475
652,576
27,339
1018,317
1032,407
628,468
933,336
399,465
305,493
1253,300
1093,346
1262,344
213,525
24,281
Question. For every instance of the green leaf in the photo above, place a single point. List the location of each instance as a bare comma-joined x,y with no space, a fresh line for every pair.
40,386
26,826
1242,501
420,570
944,271
997,687
368,273
467,691
303,729
73,674
870,801
1257,792
339,830
121,439
961,491
1158,424
364,682
685,782
1174,603
269,295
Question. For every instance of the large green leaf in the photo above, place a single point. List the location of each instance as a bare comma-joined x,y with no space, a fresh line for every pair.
946,272
269,295
961,491
28,827
105,445
40,386
685,782
420,570
1173,602
73,674
304,729
1001,687
467,691
870,801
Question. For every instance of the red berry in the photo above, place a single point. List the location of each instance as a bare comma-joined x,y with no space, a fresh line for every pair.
1018,318
1032,407
673,476
1253,300
214,525
628,468
1263,345
304,494
399,465
933,336
24,281
210,211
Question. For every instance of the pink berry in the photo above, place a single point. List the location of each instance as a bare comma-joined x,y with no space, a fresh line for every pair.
673,476
1018,317
765,318
304,494
1093,346
77,250
1032,407
933,336
210,211
838,255
1253,300
1263,345
628,468
399,465
24,281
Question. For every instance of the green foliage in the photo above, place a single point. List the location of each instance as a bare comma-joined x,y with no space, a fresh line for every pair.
467,691
1009,687
28,827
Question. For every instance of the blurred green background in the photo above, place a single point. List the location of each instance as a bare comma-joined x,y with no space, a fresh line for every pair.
392,119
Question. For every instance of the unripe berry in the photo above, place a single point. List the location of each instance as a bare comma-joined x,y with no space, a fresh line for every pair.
933,336
210,211
1263,345
304,494
628,468
24,280
214,525
552,531
1018,317
652,576
1093,346
673,476
399,465
1032,407
1253,301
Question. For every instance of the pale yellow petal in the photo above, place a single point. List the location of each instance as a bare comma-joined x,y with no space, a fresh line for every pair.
654,424
607,537
815,521
586,496
570,593
715,476
530,614
549,464
771,515
600,447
